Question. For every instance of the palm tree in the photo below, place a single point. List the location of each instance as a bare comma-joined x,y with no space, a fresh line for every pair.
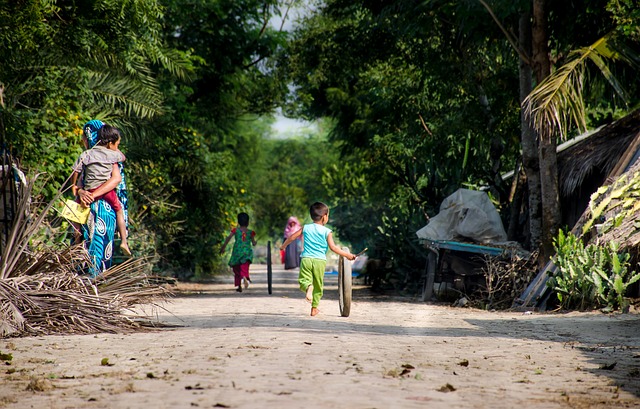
65,65
99,61
557,106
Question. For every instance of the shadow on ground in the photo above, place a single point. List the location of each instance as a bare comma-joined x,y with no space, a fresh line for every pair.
611,343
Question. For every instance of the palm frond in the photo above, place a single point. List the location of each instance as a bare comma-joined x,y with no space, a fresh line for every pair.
556,105
11,319
132,97
43,290
177,62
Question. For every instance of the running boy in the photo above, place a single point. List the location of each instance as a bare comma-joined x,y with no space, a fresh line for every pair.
315,238
97,164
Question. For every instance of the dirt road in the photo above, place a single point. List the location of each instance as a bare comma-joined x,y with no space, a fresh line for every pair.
255,350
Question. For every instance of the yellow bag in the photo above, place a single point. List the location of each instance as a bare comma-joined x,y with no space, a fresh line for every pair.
75,212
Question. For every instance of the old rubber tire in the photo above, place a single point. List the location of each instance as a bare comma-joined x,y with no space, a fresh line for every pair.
344,285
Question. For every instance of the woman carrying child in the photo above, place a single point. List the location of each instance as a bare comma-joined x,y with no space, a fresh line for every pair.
95,167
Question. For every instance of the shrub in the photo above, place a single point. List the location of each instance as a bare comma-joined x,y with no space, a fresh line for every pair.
590,276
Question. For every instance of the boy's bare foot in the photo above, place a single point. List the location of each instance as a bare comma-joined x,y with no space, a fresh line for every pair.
246,283
125,249
314,311
309,294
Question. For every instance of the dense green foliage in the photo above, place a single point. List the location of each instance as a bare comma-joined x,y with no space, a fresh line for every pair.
414,99
425,98
177,89
287,179
419,108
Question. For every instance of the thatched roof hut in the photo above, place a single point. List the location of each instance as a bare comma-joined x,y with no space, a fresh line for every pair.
594,159
599,180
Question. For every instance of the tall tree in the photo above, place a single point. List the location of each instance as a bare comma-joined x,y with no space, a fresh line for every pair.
566,27
529,141
523,45
421,84
557,106
547,144
420,104
179,87
66,63
210,136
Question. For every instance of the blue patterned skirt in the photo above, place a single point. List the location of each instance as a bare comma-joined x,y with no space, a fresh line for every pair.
98,236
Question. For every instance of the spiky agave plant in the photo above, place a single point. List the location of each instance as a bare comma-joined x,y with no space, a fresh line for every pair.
43,290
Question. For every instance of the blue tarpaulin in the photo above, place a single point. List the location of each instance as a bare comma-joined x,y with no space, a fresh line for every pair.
459,246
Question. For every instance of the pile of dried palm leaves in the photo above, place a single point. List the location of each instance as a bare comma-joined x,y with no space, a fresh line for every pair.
42,289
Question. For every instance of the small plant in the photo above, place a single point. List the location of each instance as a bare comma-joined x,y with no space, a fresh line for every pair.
573,289
591,276
612,287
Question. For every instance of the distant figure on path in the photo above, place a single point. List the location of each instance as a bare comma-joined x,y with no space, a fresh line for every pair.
316,238
242,252
292,251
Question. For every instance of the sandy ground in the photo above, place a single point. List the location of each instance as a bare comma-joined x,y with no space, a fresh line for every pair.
255,350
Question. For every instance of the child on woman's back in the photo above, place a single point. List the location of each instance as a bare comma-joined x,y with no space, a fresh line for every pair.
316,238
96,165
242,253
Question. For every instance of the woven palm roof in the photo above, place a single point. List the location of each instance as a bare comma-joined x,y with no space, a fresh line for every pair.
597,152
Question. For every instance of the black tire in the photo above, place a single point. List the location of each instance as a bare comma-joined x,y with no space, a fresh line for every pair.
344,285
269,271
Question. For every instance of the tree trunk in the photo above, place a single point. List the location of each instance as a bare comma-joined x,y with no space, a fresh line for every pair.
550,197
540,46
530,161
546,143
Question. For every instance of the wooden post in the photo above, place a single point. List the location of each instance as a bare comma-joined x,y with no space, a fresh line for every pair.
432,261
269,271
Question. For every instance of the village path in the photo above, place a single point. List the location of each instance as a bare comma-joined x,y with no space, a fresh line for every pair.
255,350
